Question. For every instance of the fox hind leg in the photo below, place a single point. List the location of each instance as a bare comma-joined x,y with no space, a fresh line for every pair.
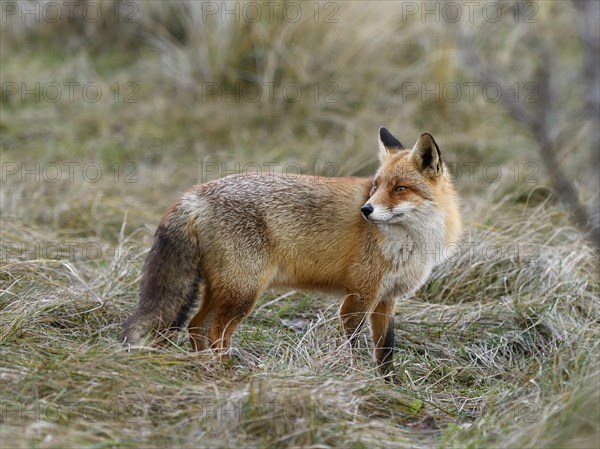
198,326
230,310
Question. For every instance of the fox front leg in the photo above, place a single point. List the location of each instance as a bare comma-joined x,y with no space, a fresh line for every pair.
382,332
353,314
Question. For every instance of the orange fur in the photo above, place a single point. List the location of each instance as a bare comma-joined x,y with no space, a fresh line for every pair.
246,233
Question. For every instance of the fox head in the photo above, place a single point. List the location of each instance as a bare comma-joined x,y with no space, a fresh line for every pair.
412,187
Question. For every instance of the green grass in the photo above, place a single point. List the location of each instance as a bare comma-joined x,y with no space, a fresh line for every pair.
500,347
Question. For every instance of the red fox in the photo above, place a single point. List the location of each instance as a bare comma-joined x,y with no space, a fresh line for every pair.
376,239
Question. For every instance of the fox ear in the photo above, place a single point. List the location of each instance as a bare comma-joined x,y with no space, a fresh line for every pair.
427,156
387,143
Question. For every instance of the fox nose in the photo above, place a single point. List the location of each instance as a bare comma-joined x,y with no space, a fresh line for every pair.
366,210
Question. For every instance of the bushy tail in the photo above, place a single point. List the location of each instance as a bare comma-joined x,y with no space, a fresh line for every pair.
170,280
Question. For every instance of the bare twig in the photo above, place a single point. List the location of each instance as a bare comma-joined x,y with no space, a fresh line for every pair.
537,117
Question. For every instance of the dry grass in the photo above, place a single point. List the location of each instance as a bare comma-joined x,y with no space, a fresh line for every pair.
500,347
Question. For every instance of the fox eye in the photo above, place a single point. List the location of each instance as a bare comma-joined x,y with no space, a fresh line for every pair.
399,188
